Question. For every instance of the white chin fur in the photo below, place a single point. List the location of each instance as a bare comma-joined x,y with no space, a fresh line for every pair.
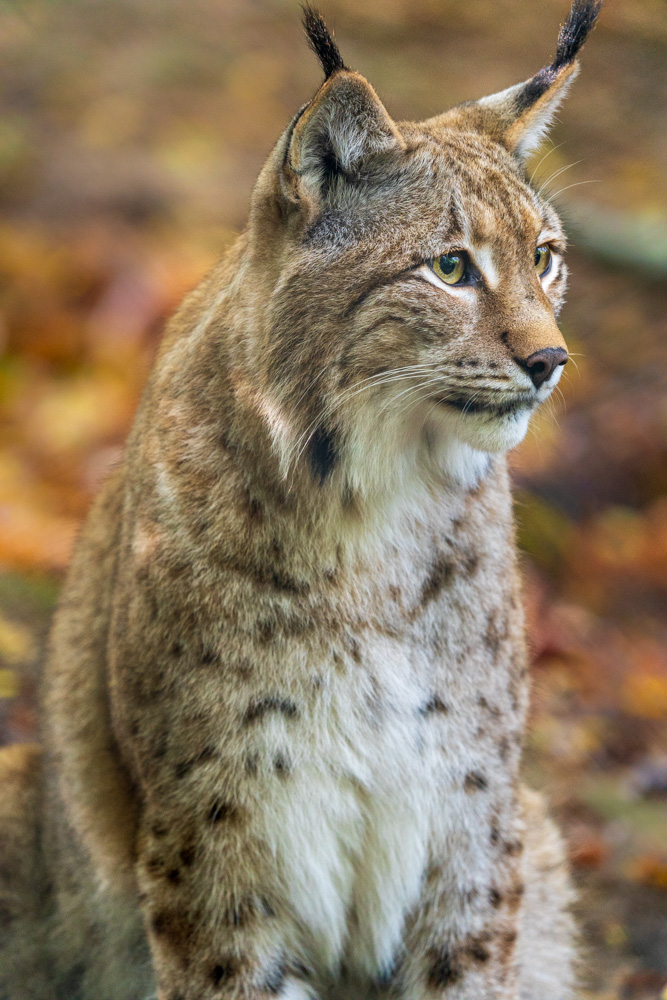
482,432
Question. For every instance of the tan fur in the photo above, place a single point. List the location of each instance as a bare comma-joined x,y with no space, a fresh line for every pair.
287,683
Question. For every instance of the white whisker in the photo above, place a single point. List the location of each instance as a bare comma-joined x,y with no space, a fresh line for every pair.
557,173
567,188
546,157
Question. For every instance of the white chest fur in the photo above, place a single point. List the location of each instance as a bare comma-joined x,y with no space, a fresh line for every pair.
350,831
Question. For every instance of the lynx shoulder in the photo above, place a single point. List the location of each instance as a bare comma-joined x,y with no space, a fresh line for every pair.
287,682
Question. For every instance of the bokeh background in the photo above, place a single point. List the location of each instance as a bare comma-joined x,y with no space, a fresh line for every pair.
131,132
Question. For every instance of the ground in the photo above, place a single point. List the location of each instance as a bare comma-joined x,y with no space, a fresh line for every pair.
130,135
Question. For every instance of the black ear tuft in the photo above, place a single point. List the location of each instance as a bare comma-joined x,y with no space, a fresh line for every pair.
574,32
321,42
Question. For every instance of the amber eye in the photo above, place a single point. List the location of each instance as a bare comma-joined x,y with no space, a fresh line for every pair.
449,267
543,259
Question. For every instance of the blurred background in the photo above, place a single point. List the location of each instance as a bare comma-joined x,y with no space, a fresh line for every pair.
131,132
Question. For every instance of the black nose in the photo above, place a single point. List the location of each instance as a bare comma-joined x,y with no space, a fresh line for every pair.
542,364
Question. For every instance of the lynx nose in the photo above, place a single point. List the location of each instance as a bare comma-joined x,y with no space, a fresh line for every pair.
542,364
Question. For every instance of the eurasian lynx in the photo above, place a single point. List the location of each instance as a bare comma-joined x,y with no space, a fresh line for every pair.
287,682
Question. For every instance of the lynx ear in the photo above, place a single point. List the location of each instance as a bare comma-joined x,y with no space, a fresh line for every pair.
520,116
344,125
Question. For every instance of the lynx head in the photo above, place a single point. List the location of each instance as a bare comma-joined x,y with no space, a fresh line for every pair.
408,275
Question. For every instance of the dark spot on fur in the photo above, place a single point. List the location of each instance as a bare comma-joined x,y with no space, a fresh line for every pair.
495,898
322,454
243,668
470,563
275,980
159,830
503,748
187,856
267,631
73,984
492,636
223,971
221,812
263,706
478,951
299,969
355,650
255,509
440,577
281,581
184,768
506,944
512,847
434,704
443,970
208,656
174,876
154,866
385,977
173,927
281,766
494,835
514,896
493,710
475,782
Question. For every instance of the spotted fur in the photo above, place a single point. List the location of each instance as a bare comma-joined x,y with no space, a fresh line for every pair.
287,681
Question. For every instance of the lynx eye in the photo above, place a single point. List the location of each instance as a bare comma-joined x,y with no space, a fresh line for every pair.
543,259
450,267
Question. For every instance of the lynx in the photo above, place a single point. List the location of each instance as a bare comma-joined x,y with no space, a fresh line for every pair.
287,681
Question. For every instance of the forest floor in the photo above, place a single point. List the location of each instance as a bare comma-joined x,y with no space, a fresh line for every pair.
130,135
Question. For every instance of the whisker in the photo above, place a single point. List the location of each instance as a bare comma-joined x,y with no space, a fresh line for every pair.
470,401
310,385
555,194
418,388
545,157
557,173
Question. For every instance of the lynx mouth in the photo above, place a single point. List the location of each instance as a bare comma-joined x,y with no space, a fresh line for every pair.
468,404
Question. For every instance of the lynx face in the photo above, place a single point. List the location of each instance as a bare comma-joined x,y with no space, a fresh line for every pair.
409,276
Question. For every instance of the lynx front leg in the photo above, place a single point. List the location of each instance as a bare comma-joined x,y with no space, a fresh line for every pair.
213,910
461,941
